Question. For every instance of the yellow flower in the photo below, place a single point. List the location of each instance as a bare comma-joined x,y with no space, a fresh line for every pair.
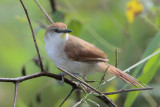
134,8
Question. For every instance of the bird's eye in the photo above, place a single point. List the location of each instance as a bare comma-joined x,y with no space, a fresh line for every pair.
56,30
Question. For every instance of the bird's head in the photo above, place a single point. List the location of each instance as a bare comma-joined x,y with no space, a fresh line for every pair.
57,29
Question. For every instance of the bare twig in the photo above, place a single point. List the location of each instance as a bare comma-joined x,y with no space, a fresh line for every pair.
78,94
103,77
116,56
15,94
33,35
43,10
67,96
127,90
28,77
53,5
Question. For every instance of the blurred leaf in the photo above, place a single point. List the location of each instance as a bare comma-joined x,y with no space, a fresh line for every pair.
148,73
38,98
75,26
36,61
21,19
151,47
23,71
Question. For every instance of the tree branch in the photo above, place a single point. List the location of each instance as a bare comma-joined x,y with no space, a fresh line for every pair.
53,5
67,96
116,56
33,35
127,90
43,10
15,94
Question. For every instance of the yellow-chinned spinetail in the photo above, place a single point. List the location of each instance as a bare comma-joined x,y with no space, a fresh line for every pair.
78,56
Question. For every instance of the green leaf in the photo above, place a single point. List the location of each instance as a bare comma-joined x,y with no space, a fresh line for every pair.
148,73
151,47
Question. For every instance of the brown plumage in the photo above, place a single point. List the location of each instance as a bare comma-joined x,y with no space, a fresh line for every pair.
58,25
80,50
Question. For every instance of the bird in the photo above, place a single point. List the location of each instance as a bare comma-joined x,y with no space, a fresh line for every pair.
79,56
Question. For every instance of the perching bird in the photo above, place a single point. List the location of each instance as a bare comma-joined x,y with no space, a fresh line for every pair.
78,56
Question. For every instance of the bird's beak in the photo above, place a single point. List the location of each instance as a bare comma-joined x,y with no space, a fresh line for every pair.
67,31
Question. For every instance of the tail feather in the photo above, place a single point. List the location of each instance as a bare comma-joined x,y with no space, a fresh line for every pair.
124,76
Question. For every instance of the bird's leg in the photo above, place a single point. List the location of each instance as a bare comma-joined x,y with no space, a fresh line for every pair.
62,81
63,74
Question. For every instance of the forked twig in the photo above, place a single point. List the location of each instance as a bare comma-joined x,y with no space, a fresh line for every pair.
15,94
33,35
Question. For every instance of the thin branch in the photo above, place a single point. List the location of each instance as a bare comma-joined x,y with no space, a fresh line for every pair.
78,95
43,10
116,56
102,79
33,35
15,94
107,100
67,96
127,90
138,63
28,77
53,5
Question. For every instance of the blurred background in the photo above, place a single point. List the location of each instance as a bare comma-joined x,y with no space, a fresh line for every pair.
130,26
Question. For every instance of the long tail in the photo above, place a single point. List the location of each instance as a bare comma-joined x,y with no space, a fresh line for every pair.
123,76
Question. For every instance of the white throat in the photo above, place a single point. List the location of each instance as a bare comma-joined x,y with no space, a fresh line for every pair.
54,45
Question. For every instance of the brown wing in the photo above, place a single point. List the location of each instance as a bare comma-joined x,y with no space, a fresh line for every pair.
80,50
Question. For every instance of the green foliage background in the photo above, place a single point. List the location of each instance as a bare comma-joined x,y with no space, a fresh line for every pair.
101,22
